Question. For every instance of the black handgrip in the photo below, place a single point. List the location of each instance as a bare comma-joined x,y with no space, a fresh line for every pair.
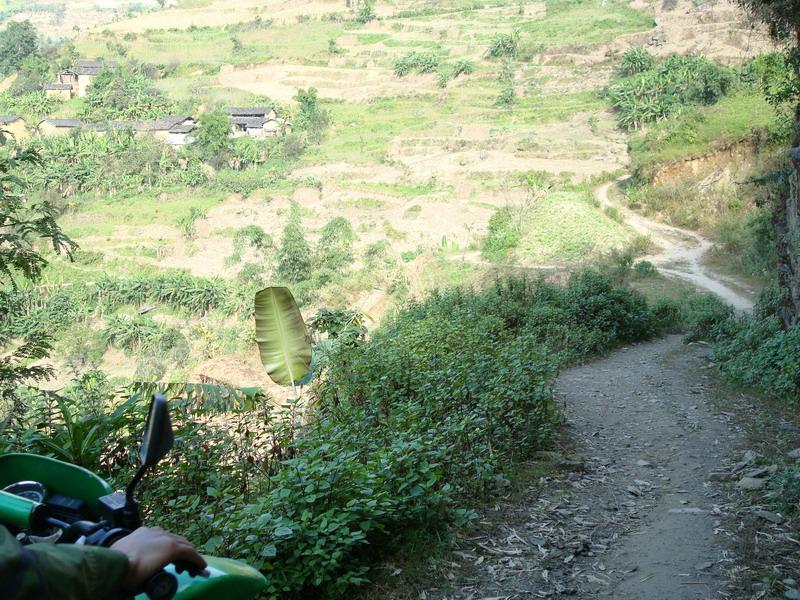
161,586
184,566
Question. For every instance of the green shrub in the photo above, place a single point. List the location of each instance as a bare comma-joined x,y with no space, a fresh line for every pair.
644,268
416,62
463,66
244,182
502,236
705,315
294,255
636,60
504,45
677,82
757,350
334,249
425,415
124,94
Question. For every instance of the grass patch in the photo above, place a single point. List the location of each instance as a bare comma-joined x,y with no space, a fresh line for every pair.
216,46
564,228
584,22
364,130
703,129
105,217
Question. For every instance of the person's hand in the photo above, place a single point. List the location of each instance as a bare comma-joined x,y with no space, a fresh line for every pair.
149,549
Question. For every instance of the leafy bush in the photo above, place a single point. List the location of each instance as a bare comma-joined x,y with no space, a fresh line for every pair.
636,60
463,66
508,96
416,62
244,182
294,255
504,45
677,82
334,249
704,315
311,117
124,94
31,105
110,162
366,11
502,236
429,412
757,350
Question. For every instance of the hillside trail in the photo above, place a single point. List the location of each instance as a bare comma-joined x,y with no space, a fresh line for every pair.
634,512
679,254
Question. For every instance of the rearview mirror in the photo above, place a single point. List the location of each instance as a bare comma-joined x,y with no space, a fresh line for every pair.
158,438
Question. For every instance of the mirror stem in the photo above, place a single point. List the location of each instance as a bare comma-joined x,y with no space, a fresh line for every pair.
134,482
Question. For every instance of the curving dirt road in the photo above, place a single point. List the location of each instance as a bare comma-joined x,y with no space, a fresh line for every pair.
680,253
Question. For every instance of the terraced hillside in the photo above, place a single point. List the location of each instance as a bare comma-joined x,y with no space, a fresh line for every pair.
417,159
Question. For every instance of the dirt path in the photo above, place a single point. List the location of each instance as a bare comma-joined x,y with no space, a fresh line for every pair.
633,513
680,254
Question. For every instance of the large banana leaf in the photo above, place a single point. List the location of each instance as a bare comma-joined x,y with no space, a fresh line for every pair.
283,341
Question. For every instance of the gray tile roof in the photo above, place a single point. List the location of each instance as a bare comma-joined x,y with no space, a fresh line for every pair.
107,126
63,122
92,67
58,86
184,128
165,123
251,111
249,122
7,119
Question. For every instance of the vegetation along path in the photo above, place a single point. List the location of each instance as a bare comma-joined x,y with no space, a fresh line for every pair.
634,512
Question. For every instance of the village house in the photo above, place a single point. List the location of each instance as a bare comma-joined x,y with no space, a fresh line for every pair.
15,126
49,127
58,90
258,122
175,130
82,74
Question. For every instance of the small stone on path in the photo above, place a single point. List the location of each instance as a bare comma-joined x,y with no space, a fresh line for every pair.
769,516
750,483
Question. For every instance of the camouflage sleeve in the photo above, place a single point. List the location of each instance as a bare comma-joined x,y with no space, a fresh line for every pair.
58,572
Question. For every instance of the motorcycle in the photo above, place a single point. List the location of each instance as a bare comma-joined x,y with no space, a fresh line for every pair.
67,504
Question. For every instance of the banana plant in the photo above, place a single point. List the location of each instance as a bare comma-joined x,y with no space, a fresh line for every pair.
282,337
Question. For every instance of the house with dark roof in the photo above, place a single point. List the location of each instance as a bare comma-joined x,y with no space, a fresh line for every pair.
58,90
15,126
49,127
175,130
82,74
265,112
258,122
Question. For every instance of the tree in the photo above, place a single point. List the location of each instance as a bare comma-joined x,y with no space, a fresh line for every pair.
366,11
214,136
23,223
18,41
124,94
33,74
294,256
335,246
311,117
783,19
